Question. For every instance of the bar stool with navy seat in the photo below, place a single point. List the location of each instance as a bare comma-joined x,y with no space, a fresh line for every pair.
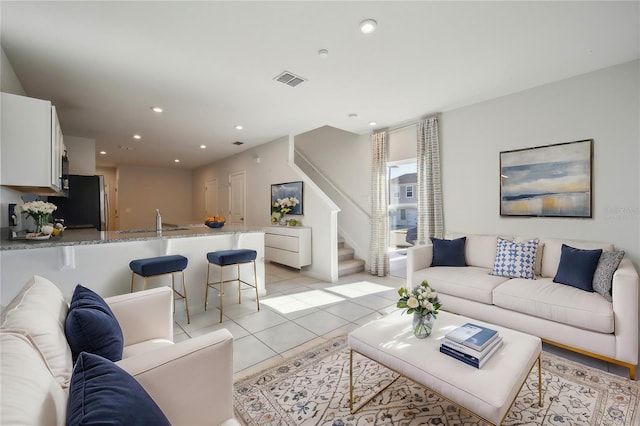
162,265
225,258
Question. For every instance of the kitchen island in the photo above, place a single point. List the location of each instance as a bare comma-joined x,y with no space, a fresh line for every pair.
100,259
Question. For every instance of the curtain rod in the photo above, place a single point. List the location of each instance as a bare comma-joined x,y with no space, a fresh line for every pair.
411,123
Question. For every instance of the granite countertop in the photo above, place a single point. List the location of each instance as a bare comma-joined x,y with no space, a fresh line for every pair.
74,237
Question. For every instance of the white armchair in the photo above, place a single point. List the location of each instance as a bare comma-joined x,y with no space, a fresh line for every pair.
191,381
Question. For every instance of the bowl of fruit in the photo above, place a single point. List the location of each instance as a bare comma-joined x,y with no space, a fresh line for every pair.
215,221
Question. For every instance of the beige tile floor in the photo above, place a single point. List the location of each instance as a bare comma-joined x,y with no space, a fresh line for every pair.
300,312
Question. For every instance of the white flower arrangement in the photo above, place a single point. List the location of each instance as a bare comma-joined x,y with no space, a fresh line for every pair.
39,211
284,205
38,208
422,299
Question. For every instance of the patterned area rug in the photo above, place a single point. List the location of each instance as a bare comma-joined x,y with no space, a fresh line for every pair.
313,389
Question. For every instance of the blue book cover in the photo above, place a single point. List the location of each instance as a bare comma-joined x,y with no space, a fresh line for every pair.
459,356
473,336
467,359
467,350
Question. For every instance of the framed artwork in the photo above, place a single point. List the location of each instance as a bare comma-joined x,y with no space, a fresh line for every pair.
547,181
287,193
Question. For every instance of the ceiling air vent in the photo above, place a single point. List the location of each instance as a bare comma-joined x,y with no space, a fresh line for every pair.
289,79
238,143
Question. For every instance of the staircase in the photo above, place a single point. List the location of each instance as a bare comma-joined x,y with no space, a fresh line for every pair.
347,264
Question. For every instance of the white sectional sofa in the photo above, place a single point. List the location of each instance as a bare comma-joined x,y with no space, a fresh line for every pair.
561,315
191,381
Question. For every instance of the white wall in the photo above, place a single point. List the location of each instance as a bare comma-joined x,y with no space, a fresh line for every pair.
343,158
142,190
274,167
9,83
82,155
602,105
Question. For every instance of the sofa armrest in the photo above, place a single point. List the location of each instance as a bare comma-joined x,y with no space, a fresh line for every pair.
144,315
626,303
191,381
418,257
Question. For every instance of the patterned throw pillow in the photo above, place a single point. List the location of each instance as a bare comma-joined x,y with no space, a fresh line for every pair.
515,260
603,277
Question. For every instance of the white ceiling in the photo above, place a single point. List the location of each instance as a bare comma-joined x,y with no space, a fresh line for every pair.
211,65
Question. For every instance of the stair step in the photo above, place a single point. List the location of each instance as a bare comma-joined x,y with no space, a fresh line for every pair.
340,242
347,267
345,253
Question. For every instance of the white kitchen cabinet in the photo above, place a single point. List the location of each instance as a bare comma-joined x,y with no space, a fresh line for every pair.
289,246
32,145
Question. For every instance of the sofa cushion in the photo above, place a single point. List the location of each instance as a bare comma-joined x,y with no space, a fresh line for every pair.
539,252
553,251
603,276
448,252
101,391
470,282
31,395
577,266
515,260
39,310
91,326
556,302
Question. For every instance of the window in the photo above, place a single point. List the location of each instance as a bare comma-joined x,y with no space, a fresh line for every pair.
403,208
409,191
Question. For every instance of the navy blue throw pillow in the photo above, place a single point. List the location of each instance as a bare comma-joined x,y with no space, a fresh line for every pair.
91,326
577,267
448,252
102,393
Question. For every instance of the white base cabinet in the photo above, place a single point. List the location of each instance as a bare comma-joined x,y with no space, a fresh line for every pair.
289,246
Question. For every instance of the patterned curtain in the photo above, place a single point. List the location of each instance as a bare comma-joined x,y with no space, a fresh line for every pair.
430,216
379,201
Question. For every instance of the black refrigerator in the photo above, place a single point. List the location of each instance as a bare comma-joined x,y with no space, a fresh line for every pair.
86,206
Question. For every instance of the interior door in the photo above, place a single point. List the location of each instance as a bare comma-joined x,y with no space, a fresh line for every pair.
236,197
211,197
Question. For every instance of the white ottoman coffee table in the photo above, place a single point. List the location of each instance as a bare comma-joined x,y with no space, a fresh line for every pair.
487,392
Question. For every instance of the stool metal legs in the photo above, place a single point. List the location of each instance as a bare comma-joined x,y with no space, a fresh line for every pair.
182,295
222,282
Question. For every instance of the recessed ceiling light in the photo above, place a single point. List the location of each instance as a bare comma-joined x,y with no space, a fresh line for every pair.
176,161
239,127
238,143
323,53
137,136
368,26
353,115
373,123
156,109
203,146
103,152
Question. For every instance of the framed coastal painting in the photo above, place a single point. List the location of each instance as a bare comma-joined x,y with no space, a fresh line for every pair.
291,193
547,181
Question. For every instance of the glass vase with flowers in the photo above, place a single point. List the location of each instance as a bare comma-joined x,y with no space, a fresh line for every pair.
422,301
40,212
281,207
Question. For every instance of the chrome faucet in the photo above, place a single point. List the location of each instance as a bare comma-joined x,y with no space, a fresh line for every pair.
158,222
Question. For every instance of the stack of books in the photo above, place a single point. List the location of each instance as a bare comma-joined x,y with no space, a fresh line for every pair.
472,344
